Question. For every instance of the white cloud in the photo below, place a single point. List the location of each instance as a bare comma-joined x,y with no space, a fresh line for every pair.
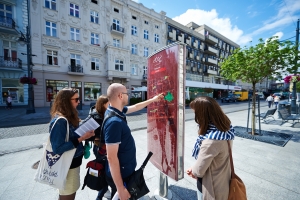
279,35
211,19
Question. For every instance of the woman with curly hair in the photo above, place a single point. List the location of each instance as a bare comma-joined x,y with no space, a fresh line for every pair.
64,106
212,166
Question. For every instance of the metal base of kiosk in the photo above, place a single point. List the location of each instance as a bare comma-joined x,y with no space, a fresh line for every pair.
162,193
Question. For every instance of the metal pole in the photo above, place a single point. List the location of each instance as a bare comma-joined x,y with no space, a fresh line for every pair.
294,97
30,108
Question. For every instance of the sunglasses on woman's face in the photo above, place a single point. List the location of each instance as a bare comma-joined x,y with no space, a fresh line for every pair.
76,99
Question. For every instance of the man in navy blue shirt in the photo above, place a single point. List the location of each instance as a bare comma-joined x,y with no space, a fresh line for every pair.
120,145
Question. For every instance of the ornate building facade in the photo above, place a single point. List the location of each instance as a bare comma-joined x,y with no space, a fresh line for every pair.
90,44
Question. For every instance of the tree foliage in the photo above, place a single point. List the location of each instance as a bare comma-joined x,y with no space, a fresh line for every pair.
255,63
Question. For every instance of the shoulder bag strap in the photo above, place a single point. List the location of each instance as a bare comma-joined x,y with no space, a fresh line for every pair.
67,133
231,160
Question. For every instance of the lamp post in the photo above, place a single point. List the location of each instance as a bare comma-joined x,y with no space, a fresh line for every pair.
27,40
294,97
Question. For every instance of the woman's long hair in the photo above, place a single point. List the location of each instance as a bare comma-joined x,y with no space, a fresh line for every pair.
62,106
101,101
208,111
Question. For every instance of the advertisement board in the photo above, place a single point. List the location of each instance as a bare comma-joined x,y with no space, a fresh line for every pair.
165,128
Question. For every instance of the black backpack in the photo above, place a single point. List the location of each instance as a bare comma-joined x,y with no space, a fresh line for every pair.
93,114
95,175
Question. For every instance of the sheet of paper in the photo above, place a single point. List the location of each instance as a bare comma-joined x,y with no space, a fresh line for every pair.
89,125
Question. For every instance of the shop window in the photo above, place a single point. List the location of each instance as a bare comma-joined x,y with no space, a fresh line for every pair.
92,91
53,87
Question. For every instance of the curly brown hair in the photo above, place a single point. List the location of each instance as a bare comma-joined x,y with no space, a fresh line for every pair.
101,101
208,111
62,106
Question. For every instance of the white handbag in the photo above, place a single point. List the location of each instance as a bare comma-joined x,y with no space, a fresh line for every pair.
53,168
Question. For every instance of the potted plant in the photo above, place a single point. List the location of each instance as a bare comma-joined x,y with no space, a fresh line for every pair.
95,91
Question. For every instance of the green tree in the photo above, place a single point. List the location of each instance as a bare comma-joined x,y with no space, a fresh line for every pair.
255,63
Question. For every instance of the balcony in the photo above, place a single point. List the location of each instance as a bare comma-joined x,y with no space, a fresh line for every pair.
211,50
117,30
212,61
76,70
211,39
7,25
10,63
181,39
188,41
171,35
195,44
209,71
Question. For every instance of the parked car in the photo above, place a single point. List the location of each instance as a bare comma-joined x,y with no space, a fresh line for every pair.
232,98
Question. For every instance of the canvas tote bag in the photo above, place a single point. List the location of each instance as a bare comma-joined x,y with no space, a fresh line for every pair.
53,168
237,189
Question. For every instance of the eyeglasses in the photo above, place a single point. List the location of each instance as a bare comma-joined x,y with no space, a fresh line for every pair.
76,99
126,93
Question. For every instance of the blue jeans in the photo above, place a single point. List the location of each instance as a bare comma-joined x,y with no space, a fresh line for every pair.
104,189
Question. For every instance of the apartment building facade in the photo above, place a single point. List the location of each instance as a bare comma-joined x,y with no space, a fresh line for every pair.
13,64
90,44
206,48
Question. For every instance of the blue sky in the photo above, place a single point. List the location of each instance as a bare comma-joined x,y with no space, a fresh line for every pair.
241,21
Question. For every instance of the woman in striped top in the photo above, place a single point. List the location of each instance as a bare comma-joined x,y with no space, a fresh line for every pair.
212,166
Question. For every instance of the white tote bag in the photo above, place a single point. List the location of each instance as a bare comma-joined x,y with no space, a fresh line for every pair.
53,168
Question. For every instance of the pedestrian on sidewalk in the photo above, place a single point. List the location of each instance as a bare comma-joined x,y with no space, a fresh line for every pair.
9,103
212,166
270,100
276,101
120,145
97,113
65,105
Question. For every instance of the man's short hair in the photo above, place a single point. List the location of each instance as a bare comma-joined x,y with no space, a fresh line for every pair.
113,90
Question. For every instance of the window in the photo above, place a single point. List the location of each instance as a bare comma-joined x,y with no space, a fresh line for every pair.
134,17
52,57
10,50
50,29
94,1
146,34
134,68
51,4
95,64
146,22
75,59
94,38
146,51
53,87
133,48
74,10
92,91
116,24
145,70
5,10
119,65
75,34
156,38
133,30
94,17
116,10
156,26
116,43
